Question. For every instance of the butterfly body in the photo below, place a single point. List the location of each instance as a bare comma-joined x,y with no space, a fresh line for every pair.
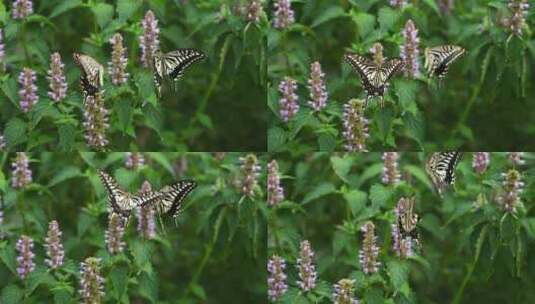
92,74
375,77
121,201
439,58
172,66
408,219
441,168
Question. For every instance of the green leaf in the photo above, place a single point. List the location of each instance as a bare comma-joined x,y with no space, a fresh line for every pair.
12,294
153,118
356,200
384,122
319,191
39,277
341,166
119,281
144,82
365,23
398,271
103,13
67,133
379,195
126,8
15,132
65,174
7,256
326,142
275,139
331,13
420,174
9,87
433,5
163,161
124,111
387,18
198,291
64,6
415,126
406,92
148,286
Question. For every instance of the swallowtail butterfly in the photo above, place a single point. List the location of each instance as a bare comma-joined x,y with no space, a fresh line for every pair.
441,168
172,197
374,77
92,74
172,65
439,58
407,220
121,201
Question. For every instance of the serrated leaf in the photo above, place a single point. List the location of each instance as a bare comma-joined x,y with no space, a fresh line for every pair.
365,23
67,133
119,280
275,139
387,18
379,195
415,126
124,111
15,132
319,191
326,142
398,271
12,294
126,8
103,14
331,13
65,174
144,82
341,166
420,174
64,6
356,200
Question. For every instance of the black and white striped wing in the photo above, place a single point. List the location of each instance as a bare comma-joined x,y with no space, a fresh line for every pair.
175,63
119,200
368,71
173,196
92,74
439,58
389,68
441,168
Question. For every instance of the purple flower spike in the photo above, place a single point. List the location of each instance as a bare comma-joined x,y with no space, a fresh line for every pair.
28,92
95,121
481,161
306,268
117,65
277,278
369,251
114,234
343,292
275,192
25,258
56,78
134,160
21,175
254,11
391,174
250,170
91,282
145,216
398,3
512,187
22,8
355,126
516,158
54,248
2,54
284,15
409,51
149,41
288,102
316,85
519,10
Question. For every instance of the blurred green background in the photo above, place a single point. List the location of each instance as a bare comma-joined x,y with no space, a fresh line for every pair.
220,102
484,104
471,253
213,253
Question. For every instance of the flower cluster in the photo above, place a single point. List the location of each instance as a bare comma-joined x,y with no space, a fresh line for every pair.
22,8
391,175
2,54
145,216
56,78
409,50
91,282
316,85
28,92
275,192
95,121
402,246
254,11
117,65
398,3
369,252
512,186
250,170
25,258
21,175
114,234
481,161
284,15
149,41
277,278
343,292
306,268
288,102
134,160
377,52
2,142
54,248
517,20
516,158
355,126
445,6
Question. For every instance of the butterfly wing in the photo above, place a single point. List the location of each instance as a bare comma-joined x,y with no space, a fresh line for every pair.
119,199
158,72
175,63
366,69
389,68
173,195
439,58
441,168
92,73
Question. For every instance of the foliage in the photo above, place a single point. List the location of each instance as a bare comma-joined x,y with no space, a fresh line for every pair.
483,103
472,250
206,112
213,253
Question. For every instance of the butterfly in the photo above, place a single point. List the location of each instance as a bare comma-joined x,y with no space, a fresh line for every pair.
374,76
172,65
172,197
121,201
92,74
407,219
439,58
441,168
